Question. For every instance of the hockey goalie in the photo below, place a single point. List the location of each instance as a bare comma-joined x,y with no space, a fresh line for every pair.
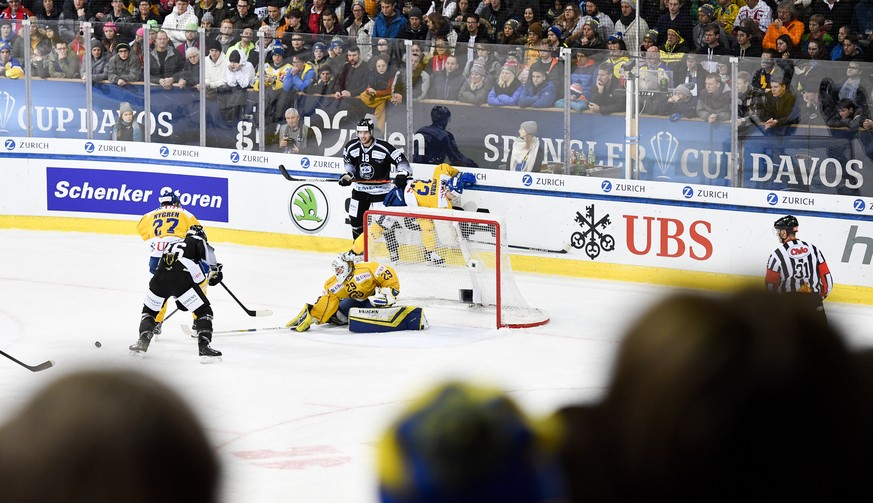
362,296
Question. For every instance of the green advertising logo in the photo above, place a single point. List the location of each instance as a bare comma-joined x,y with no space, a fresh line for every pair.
309,208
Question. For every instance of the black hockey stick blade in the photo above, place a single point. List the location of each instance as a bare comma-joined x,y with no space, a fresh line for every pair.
546,250
290,178
250,312
33,368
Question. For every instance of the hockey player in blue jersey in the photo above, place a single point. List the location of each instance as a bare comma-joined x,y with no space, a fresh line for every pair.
439,143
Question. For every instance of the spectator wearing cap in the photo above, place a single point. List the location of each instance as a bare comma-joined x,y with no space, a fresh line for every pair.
476,87
276,68
676,17
99,63
110,37
650,38
415,29
592,38
10,67
124,69
240,76
126,127
245,47
617,57
191,40
319,56
682,104
758,12
177,21
578,100
746,44
495,13
359,26
555,37
336,54
510,35
706,17
215,64
526,154
217,11
626,24
506,89
605,26
673,50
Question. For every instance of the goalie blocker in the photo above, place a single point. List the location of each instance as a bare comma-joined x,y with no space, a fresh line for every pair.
386,319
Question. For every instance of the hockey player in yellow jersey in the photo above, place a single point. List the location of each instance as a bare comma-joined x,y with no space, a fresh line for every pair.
439,191
362,285
163,226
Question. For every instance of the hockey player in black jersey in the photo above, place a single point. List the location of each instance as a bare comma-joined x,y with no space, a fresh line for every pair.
439,143
368,163
179,274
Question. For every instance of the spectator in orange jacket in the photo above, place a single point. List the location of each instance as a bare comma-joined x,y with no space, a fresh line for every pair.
786,23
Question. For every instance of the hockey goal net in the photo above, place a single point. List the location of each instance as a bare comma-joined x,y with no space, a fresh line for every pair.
450,258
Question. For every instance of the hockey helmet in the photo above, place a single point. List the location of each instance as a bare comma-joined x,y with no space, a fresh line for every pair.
787,223
342,267
440,115
197,230
168,197
365,125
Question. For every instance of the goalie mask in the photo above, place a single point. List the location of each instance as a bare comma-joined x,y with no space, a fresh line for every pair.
342,268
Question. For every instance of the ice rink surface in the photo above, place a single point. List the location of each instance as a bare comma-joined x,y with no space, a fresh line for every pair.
295,417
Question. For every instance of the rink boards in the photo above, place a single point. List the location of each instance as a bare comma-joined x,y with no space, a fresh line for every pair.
586,226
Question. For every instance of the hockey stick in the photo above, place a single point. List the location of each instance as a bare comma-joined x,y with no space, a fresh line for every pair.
32,368
565,249
188,331
305,179
259,312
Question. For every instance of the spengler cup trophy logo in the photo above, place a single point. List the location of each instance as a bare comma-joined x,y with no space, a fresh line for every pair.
308,208
592,237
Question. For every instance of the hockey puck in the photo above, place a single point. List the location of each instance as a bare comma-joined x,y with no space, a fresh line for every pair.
97,343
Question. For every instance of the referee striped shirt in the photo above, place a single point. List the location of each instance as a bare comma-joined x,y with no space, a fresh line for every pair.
795,264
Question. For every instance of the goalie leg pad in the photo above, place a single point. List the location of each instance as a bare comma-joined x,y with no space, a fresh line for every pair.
390,319
324,308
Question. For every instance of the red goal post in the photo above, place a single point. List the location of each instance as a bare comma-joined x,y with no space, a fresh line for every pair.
450,258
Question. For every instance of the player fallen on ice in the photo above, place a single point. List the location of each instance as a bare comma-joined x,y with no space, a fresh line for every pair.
443,190
179,274
369,286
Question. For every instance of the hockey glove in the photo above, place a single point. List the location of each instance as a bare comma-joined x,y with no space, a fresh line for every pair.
384,297
345,180
215,274
401,179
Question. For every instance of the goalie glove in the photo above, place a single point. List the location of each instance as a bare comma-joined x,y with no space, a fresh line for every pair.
384,297
215,274
345,180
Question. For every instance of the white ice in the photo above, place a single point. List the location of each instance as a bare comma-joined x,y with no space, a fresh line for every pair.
295,417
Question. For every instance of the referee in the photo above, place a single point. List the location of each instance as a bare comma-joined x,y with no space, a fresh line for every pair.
797,266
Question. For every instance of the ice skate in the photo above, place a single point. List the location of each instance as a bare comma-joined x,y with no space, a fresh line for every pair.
142,345
207,353
157,330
